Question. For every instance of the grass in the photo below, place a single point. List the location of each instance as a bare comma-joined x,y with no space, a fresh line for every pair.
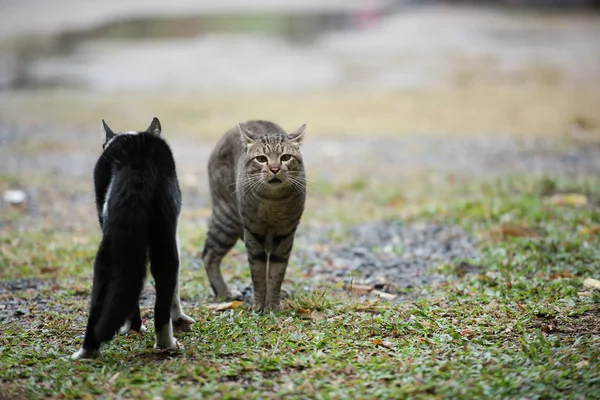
521,327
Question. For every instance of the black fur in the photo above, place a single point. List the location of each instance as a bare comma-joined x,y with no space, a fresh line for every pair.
137,172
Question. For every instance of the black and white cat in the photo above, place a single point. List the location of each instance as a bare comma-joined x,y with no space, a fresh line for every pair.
138,201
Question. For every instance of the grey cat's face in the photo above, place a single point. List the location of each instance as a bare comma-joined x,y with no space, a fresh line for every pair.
275,158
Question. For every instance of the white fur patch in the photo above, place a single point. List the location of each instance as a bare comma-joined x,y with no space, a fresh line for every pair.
117,135
164,337
106,199
125,328
83,353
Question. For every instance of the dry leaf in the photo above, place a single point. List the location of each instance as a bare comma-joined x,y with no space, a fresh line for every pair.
558,275
584,294
48,270
113,378
387,344
590,230
384,295
224,306
548,328
376,342
303,311
360,289
513,231
591,283
426,324
318,316
572,199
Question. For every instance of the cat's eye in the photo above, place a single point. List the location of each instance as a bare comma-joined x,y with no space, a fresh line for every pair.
261,159
286,157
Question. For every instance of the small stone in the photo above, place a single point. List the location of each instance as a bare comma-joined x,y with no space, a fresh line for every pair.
20,312
15,196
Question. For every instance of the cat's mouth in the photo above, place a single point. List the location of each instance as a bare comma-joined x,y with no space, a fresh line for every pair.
275,180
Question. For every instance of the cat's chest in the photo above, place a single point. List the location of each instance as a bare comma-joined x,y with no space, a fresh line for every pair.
275,214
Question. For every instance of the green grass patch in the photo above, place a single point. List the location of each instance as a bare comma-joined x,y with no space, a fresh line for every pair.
521,326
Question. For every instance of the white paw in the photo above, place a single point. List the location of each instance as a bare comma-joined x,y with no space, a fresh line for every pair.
125,328
236,295
83,353
171,344
165,339
183,323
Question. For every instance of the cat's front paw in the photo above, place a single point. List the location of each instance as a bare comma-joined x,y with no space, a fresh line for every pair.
183,323
83,353
236,295
172,344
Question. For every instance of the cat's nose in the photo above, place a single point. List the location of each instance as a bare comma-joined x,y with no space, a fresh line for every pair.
274,169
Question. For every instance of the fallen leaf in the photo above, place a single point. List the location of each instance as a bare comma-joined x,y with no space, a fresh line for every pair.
548,328
466,332
376,342
513,231
582,364
113,378
584,294
318,316
360,289
558,275
48,270
426,324
489,362
303,311
590,230
591,283
224,306
521,306
571,199
384,295
387,344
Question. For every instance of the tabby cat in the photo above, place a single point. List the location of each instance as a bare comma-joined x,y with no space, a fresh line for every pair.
258,188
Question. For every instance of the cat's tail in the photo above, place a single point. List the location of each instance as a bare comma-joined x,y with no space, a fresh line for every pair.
128,241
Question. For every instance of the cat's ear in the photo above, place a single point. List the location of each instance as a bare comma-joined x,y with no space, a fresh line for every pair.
246,136
154,127
109,133
297,136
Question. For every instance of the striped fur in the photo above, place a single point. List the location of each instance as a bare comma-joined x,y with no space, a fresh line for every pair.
258,189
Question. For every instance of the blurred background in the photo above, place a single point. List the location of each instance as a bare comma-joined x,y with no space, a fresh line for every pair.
430,92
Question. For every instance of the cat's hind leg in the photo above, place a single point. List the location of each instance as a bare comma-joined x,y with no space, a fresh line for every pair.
164,265
134,323
91,345
223,232
181,322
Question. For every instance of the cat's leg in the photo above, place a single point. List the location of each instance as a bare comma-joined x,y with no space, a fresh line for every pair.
181,322
278,261
91,346
134,323
164,265
257,258
223,233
